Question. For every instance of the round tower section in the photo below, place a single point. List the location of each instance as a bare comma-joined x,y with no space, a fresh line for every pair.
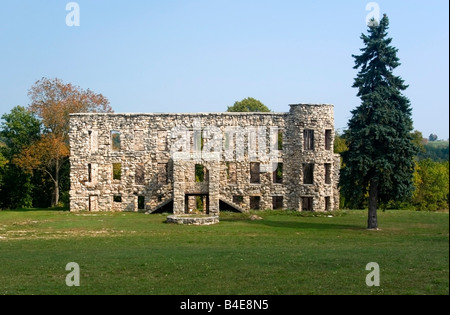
313,166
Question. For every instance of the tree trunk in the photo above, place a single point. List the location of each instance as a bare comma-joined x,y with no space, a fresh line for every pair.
55,200
373,204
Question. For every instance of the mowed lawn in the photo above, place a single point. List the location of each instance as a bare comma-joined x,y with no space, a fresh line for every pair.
284,254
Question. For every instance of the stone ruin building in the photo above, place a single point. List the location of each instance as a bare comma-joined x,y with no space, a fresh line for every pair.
205,162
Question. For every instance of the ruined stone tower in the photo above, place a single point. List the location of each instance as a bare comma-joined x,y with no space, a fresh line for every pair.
243,161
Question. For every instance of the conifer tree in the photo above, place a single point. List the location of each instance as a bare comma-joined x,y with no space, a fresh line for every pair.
380,159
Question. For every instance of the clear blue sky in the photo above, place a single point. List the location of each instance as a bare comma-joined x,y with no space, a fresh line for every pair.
203,55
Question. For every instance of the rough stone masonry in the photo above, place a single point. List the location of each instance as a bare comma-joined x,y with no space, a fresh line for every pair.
240,161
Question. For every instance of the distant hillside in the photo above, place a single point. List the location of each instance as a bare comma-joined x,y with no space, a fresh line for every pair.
436,151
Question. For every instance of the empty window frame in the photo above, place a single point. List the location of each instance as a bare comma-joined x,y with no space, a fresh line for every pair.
307,204
93,141
163,170
117,198
277,202
140,174
278,174
308,140
93,203
231,173
328,139
117,171
255,202
280,140
308,173
162,141
197,140
328,174
327,203
139,144
201,173
92,173
115,141
141,202
89,173
238,200
255,173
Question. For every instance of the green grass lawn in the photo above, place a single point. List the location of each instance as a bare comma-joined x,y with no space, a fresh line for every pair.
286,253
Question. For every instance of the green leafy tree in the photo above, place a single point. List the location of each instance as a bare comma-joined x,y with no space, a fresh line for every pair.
3,162
380,158
432,137
19,129
431,180
418,140
249,105
340,144
437,151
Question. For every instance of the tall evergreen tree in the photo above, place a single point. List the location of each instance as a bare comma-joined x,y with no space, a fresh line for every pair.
380,159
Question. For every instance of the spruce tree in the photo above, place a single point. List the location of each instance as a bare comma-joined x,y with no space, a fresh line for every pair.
380,159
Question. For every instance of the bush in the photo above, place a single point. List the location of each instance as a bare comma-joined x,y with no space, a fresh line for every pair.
431,180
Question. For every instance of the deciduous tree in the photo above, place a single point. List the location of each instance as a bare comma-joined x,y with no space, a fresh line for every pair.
19,129
431,181
248,105
53,101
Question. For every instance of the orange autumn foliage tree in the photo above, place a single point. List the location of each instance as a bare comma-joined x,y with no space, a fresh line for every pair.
52,101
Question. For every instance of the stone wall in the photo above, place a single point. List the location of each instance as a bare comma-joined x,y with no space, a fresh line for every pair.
137,162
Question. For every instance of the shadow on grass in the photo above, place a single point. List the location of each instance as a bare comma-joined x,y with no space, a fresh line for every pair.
294,223
38,210
308,225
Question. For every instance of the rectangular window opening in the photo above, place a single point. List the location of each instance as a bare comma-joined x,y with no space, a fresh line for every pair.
93,203
231,173
307,203
117,171
327,203
278,174
255,173
141,202
140,174
201,173
163,169
308,174
115,141
90,173
308,140
239,200
139,140
328,139
277,202
255,202
280,140
117,198
93,141
328,174
162,141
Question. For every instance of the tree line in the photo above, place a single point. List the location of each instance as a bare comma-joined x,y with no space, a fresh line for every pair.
34,144
430,178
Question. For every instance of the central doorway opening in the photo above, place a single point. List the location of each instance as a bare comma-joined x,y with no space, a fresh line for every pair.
197,204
